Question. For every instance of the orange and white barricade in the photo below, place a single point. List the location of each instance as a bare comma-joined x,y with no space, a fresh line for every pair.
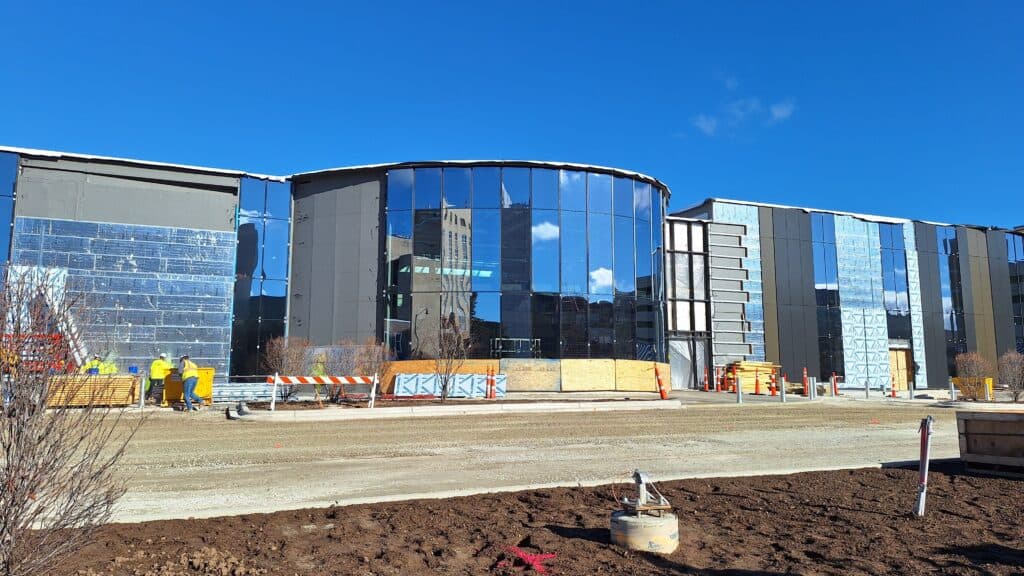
337,384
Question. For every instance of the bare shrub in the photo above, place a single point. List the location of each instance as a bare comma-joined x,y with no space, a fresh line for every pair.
286,356
451,352
1011,373
59,443
972,368
373,358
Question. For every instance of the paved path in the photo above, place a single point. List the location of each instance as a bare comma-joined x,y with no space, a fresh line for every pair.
202,465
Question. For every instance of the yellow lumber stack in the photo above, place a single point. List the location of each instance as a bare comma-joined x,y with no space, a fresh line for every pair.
749,372
80,390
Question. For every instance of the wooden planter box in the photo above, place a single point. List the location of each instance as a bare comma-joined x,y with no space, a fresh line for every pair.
992,442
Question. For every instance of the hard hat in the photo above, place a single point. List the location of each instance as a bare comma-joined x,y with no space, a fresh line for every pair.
183,356
96,356
163,355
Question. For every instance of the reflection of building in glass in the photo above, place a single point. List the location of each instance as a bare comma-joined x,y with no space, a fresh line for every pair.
877,301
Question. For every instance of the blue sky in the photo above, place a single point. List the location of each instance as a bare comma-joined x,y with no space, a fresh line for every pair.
910,109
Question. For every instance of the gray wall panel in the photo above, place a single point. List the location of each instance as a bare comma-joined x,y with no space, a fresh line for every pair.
970,321
1002,306
69,195
337,220
794,286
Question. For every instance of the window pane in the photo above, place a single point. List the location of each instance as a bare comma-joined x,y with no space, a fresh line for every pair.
680,236
457,182
399,247
6,218
625,326
700,317
625,271
681,277
697,237
572,189
545,189
645,327
485,324
601,251
426,322
515,249
624,197
546,324
274,299
644,286
249,258
487,250
642,200
487,187
399,322
428,188
602,326
515,326
8,173
574,252
427,251
699,285
574,326
682,319
545,258
456,228
275,249
279,200
599,192
400,190
252,197
515,189
657,225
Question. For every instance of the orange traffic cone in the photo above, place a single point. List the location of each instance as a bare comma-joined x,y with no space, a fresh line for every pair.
661,385
807,390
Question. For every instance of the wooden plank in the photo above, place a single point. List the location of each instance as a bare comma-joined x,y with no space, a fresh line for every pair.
996,445
1000,460
993,427
995,416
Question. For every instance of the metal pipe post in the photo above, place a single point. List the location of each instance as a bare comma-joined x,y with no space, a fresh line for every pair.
867,389
739,390
926,447
952,390
782,391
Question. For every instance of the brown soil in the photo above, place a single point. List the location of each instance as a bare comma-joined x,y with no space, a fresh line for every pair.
407,402
845,522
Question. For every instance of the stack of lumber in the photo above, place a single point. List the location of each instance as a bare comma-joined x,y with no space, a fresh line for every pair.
93,390
749,372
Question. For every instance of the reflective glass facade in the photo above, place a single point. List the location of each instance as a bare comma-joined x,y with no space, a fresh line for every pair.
8,178
523,261
951,290
261,270
1015,261
826,294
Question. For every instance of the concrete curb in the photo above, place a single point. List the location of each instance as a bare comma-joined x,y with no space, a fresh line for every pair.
347,414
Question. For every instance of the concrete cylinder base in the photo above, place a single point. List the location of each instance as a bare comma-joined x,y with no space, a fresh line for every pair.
658,534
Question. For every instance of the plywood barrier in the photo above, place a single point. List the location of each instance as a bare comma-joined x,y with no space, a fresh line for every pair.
83,390
588,375
637,376
427,367
532,375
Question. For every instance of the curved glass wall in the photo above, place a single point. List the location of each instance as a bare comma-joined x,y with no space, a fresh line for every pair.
523,262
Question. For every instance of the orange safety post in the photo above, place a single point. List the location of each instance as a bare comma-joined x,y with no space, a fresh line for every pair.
757,383
773,384
892,391
835,385
705,379
718,380
806,386
661,386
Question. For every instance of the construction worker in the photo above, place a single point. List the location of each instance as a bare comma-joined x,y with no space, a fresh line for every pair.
95,362
108,368
189,379
158,370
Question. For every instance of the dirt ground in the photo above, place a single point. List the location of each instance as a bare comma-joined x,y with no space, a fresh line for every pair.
201,465
838,522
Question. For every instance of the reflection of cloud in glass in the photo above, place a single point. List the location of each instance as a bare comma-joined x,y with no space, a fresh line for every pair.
249,213
506,199
600,279
642,201
567,177
544,231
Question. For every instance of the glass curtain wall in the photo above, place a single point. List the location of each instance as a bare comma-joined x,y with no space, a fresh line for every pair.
261,271
826,292
895,290
688,302
1015,257
951,290
523,262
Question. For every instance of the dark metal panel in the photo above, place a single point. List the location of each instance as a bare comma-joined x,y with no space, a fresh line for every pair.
931,306
1002,306
769,290
300,283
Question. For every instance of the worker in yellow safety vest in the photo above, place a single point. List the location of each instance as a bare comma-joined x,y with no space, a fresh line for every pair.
158,371
95,362
108,368
189,378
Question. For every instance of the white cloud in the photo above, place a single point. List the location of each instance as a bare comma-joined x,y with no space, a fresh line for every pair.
731,83
782,110
544,231
600,279
706,124
740,109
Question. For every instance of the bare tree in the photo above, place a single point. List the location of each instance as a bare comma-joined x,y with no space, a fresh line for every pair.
285,355
1011,373
973,368
59,441
373,358
450,355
